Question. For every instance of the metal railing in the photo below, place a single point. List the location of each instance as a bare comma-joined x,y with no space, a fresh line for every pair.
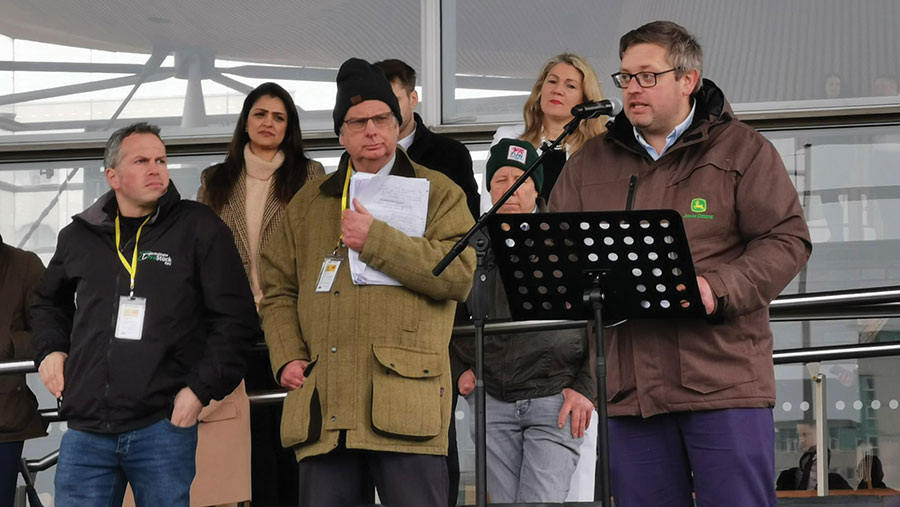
882,302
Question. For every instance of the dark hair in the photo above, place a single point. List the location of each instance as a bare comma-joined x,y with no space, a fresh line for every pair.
684,52
292,173
114,144
398,70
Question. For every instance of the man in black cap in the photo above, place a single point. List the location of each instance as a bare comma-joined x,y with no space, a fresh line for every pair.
367,365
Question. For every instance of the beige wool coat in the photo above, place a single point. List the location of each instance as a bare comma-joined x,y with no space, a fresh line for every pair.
379,363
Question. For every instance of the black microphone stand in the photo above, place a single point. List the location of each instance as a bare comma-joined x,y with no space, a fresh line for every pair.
480,306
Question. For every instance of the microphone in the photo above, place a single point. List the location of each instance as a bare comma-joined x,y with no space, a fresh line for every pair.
606,107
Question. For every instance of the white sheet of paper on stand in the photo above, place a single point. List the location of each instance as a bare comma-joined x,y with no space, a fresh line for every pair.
398,201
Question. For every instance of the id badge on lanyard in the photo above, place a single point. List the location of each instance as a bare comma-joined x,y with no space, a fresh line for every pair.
332,263
130,317
329,272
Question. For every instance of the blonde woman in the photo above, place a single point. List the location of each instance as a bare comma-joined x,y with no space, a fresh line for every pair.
565,81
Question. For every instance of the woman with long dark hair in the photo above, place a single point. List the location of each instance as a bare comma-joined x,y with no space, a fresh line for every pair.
264,168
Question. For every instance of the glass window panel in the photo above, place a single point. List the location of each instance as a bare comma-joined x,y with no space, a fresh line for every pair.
70,71
765,54
848,180
863,419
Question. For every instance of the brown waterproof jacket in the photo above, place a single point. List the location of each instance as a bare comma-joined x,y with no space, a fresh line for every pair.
20,272
748,241
379,361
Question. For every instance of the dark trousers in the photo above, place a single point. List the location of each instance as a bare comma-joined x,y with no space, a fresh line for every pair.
453,457
726,457
273,469
10,454
344,477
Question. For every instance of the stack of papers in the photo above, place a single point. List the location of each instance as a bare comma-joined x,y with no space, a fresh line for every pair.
400,202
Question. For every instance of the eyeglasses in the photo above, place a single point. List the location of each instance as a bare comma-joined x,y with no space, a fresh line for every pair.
359,124
644,79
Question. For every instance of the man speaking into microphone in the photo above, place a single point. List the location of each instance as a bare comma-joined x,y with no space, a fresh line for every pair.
690,401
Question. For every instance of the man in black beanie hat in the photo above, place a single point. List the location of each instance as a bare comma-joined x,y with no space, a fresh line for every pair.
358,81
366,365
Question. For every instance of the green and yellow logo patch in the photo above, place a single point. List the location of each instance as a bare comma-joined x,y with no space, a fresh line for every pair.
698,205
698,209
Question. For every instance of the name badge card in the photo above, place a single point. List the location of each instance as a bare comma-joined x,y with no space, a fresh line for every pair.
328,273
130,320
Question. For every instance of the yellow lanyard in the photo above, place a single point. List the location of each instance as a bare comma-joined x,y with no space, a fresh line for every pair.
132,269
345,196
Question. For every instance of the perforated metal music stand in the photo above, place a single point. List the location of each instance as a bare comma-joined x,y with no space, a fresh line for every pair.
606,266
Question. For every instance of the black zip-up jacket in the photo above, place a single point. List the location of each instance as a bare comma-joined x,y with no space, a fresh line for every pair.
448,156
200,319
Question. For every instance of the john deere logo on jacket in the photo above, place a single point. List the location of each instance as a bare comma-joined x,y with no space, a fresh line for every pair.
698,209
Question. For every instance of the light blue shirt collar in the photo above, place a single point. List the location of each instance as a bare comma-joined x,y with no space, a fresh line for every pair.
670,139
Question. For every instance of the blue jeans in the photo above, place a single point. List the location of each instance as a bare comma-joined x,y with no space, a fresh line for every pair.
157,460
529,457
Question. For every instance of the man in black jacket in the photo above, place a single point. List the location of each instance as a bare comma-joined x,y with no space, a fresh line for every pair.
143,316
435,151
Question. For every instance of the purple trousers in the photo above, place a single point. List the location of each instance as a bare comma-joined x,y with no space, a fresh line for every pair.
725,457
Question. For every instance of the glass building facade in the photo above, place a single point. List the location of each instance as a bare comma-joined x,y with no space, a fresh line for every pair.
818,77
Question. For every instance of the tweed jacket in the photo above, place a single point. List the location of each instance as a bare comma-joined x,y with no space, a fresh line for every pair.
235,217
379,365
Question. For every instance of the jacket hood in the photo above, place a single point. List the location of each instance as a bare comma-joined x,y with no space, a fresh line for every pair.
712,109
102,213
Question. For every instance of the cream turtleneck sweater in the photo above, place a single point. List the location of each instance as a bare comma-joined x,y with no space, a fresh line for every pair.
258,187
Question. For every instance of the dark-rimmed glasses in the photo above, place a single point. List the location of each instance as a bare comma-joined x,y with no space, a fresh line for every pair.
644,79
359,124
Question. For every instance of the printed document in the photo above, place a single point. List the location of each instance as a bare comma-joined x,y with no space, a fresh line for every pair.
400,202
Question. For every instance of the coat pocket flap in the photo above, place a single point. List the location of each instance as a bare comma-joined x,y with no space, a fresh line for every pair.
218,412
301,420
409,362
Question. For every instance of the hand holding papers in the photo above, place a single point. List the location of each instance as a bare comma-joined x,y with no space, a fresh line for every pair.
400,202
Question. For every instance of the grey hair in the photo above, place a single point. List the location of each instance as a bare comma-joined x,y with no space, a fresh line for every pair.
684,52
111,158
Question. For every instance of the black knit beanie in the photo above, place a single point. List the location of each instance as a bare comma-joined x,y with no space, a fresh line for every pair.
359,80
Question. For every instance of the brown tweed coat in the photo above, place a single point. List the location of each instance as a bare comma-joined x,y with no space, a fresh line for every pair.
380,353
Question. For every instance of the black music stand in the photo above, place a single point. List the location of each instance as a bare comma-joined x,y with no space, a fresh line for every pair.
568,266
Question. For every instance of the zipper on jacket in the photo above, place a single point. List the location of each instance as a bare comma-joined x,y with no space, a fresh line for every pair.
632,182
